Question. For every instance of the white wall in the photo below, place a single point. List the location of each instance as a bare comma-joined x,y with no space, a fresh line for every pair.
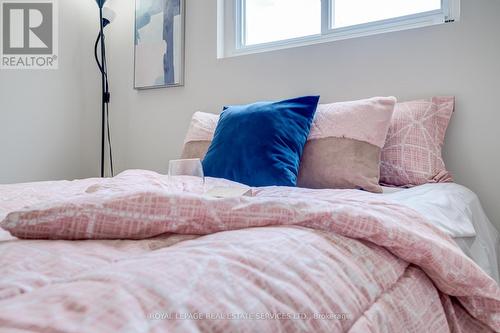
41,111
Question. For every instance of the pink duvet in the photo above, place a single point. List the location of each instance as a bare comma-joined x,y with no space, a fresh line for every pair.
286,260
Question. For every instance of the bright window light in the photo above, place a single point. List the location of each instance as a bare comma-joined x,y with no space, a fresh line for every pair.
351,12
275,20
251,26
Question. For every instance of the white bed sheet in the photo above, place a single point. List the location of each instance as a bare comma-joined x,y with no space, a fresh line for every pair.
456,210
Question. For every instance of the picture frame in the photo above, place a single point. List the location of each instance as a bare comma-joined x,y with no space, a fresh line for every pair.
159,46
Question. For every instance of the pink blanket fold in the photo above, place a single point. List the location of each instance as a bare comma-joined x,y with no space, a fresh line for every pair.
324,260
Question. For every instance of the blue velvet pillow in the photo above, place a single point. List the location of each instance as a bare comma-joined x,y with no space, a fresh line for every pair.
261,144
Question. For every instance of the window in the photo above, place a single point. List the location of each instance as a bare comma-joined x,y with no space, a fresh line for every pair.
248,26
346,13
274,20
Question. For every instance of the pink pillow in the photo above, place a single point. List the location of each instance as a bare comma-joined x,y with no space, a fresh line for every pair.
344,146
412,152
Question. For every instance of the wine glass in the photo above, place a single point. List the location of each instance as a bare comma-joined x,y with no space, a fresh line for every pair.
187,167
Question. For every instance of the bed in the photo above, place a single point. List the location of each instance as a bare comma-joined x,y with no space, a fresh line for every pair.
284,260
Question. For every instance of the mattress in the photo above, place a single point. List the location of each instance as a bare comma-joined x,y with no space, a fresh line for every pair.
457,211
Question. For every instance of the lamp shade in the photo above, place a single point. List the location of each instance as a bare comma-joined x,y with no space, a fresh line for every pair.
100,3
108,16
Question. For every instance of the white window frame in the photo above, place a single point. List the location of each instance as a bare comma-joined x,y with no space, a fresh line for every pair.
231,34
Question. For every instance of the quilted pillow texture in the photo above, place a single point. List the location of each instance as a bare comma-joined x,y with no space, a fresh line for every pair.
412,153
343,148
261,144
199,135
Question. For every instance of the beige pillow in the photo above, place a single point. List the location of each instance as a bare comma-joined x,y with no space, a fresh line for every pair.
195,149
343,149
200,134
341,164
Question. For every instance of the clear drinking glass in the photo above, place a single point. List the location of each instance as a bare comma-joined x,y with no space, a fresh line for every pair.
186,167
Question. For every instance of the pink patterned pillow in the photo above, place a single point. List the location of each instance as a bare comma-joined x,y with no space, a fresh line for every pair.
412,152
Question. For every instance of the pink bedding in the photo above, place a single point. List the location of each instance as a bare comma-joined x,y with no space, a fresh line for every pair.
287,260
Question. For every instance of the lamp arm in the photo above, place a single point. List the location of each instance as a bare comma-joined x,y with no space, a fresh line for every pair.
102,67
96,46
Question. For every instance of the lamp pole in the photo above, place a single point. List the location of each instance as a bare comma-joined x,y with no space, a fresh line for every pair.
103,82
106,16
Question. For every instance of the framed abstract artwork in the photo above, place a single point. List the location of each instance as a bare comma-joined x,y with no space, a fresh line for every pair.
159,43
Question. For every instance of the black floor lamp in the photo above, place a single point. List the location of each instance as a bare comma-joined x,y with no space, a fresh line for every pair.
106,16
